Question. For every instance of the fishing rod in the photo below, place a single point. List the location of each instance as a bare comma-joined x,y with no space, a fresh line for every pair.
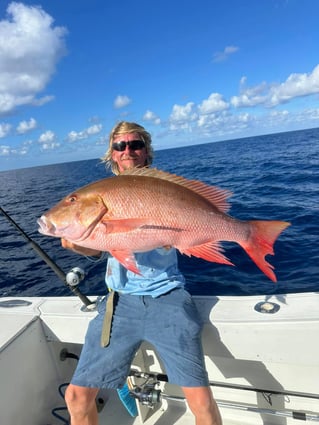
70,279
148,395
161,377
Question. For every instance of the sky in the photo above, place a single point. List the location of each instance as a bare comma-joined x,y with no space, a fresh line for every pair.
190,72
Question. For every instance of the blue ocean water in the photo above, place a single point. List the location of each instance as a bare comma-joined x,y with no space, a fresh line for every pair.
272,177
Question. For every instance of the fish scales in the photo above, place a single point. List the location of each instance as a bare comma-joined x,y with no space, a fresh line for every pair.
143,209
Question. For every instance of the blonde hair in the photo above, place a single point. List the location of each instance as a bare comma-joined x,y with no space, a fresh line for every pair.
125,127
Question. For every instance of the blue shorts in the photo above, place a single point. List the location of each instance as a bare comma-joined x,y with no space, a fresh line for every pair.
169,322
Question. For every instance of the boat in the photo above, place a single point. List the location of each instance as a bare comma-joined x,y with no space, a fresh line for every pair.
261,353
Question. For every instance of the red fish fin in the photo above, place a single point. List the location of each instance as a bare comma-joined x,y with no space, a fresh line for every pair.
126,258
260,243
122,225
210,251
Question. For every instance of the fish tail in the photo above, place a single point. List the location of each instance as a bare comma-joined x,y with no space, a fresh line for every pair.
260,243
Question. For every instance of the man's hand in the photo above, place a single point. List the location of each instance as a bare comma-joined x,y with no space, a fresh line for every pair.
80,249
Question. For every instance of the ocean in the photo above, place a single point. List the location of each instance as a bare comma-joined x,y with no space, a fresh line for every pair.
272,177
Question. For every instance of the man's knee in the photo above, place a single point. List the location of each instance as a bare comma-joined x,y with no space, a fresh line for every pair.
80,398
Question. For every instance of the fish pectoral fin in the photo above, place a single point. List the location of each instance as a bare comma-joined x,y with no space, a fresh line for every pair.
210,251
123,225
127,259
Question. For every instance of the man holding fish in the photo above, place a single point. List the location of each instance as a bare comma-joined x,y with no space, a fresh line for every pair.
152,303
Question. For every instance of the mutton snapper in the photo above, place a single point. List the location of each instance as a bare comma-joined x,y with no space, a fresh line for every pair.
143,209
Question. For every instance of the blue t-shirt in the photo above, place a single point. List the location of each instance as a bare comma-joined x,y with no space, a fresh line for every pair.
159,274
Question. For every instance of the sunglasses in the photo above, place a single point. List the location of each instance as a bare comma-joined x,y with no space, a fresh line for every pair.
135,145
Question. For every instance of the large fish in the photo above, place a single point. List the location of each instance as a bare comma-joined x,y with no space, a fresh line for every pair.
143,209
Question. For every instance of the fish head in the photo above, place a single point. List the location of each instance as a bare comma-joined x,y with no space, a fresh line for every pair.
74,217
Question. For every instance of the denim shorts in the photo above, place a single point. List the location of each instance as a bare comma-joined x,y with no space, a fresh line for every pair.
169,322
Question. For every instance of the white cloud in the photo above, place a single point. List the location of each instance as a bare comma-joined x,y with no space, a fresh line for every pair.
243,80
47,136
4,129
250,96
42,101
74,136
30,48
214,103
151,117
223,123
21,150
182,116
182,113
296,85
25,126
270,95
48,140
121,101
312,114
222,56
207,114
94,129
246,100
5,150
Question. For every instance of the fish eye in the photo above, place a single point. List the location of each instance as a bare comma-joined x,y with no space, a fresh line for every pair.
72,198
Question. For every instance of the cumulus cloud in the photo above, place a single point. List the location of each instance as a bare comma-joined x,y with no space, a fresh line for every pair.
217,117
296,85
30,48
74,136
214,103
5,150
26,126
121,101
48,140
250,97
94,129
222,56
21,150
182,116
203,114
181,113
270,95
151,117
4,129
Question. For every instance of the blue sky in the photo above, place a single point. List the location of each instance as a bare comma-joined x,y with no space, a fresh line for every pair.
191,72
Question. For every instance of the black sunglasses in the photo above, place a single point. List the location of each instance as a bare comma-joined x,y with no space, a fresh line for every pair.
135,145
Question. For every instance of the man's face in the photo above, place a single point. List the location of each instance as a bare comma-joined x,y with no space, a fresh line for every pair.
129,158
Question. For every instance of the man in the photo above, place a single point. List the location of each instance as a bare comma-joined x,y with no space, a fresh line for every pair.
153,306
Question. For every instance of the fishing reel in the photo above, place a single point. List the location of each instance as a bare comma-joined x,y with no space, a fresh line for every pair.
74,276
146,393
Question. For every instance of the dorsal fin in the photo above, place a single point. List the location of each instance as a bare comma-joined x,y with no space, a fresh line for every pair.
216,196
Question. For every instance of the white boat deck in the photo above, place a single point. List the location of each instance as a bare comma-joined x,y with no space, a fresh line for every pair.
276,352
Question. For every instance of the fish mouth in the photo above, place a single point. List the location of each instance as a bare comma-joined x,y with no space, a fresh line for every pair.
73,230
46,227
70,231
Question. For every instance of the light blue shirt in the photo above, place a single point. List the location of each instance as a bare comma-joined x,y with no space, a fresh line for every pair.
159,274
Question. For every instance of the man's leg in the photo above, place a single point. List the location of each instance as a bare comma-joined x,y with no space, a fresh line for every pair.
81,405
202,404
